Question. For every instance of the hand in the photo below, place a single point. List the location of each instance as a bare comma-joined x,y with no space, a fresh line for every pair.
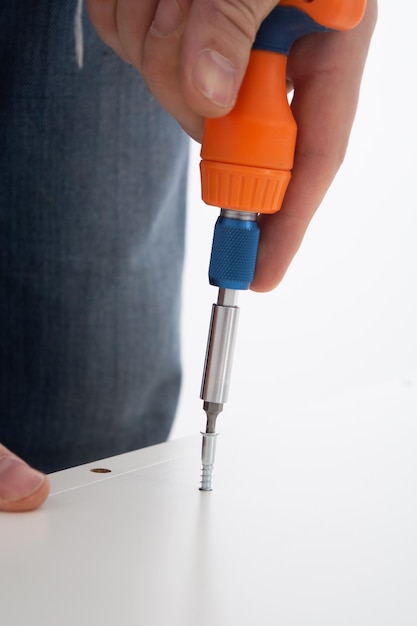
193,56
21,487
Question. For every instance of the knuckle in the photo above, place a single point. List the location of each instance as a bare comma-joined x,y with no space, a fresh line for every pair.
240,18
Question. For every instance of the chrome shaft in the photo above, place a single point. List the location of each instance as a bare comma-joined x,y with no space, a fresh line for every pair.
216,374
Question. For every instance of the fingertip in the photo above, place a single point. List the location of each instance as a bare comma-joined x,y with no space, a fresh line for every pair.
22,488
281,236
267,278
215,78
260,285
217,42
169,17
34,500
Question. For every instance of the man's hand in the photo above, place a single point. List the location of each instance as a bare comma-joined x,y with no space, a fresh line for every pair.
21,487
192,53
193,56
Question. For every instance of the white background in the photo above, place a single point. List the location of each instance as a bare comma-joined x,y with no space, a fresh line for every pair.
344,318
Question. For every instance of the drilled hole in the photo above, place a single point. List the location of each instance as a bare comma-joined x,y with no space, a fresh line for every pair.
100,470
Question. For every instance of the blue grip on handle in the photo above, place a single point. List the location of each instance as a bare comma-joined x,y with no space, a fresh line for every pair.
282,27
233,253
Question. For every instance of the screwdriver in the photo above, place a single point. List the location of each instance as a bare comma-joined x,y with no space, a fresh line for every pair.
247,158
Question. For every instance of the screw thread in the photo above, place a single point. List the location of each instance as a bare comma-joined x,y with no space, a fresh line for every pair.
206,478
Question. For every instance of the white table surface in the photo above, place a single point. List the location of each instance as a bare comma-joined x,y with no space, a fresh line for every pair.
316,525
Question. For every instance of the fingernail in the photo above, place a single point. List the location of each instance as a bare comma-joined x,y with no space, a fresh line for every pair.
215,77
17,479
168,18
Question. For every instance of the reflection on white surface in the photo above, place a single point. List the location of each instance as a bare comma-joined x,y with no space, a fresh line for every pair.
316,525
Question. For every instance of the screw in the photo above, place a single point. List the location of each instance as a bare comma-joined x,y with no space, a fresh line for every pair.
208,452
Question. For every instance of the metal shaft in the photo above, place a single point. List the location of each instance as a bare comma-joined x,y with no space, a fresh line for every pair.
220,348
216,374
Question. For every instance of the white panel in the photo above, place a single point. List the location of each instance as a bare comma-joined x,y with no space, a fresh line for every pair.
313,526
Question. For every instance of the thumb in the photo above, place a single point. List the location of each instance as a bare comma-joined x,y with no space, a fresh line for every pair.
216,46
22,488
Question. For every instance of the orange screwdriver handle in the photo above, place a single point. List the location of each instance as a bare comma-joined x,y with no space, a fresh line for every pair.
248,154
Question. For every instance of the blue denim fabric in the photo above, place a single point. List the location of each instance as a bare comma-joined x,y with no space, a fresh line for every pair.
92,207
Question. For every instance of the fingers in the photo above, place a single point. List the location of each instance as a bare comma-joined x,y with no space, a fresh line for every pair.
102,14
21,487
148,34
326,72
161,63
192,53
216,48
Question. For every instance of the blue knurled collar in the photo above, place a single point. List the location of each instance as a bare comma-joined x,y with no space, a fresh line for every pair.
233,253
